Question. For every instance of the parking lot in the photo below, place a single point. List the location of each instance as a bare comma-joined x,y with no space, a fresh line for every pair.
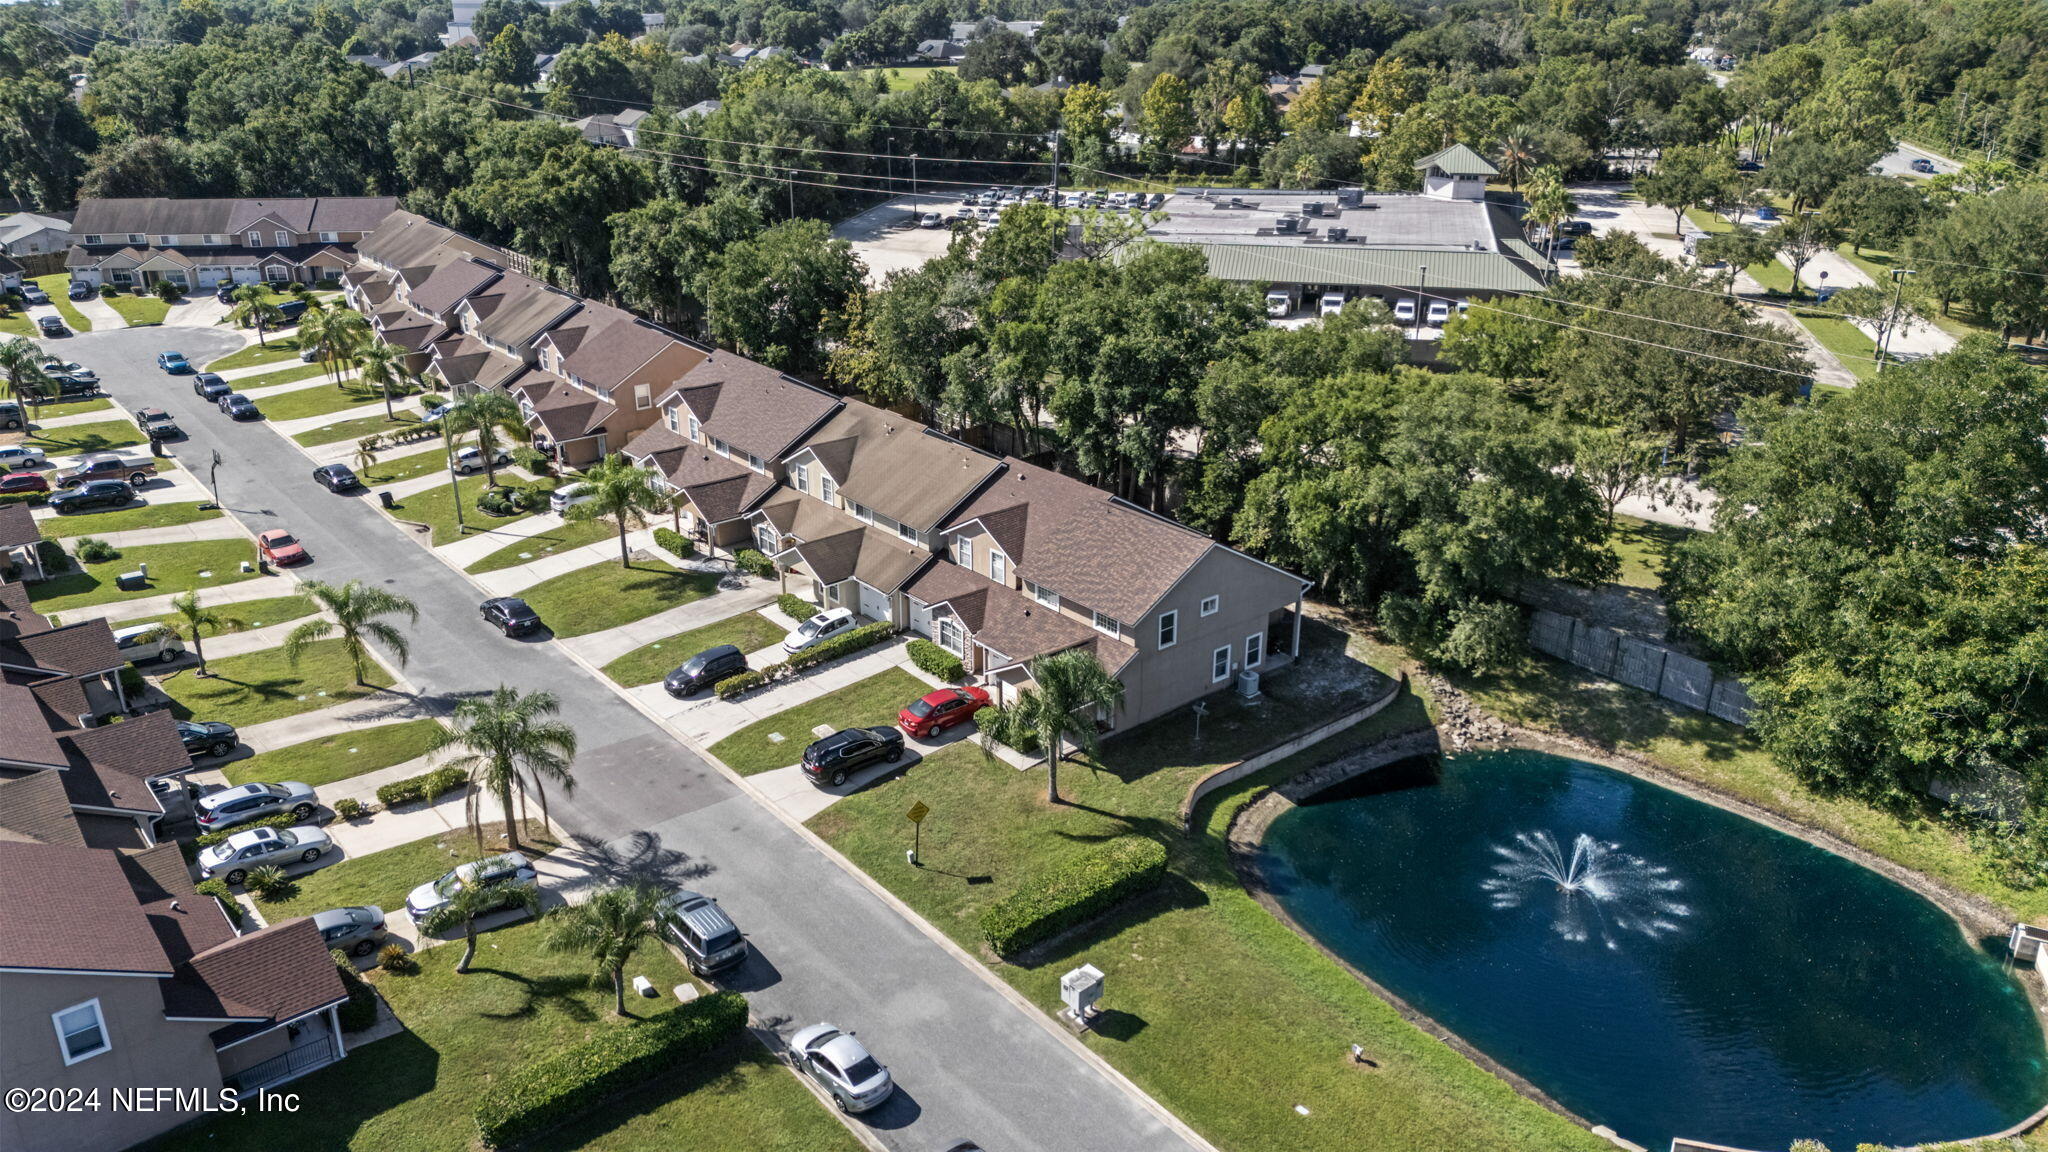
905,232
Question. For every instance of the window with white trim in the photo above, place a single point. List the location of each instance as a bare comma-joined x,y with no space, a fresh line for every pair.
801,473
947,634
696,429
1210,605
329,237
1042,594
643,397
1169,629
255,239
1219,665
166,241
81,1031
137,238
827,487
669,417
860,512
998,567
963,552
909,533
284,239
1106,623
1254,649
764,536
94,239
756,463
720,447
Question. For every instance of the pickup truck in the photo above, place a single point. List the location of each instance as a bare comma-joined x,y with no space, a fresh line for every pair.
104,466
157,424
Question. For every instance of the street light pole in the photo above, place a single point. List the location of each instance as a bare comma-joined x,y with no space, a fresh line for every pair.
1421,297
1891,319
913,173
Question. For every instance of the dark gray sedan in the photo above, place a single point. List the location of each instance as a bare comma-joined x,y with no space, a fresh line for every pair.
356,931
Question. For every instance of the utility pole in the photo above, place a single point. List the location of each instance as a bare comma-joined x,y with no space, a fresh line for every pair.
1055,167
913,173
1421,297
1891,320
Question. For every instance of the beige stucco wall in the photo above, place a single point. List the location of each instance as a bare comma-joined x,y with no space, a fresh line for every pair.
1157,680
147,1052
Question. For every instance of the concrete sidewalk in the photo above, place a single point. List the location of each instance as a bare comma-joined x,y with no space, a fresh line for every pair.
601,648
477,545
254,589
218,528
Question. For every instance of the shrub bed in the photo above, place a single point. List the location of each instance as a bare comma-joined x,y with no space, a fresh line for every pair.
934,660
209,839
865,636
739,684
675,543
527,1102
93,550
753,562
228,904
1044,906
23,497
795,607
426,786
361,1010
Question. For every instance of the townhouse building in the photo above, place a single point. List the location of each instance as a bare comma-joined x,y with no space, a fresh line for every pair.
200,243
115,973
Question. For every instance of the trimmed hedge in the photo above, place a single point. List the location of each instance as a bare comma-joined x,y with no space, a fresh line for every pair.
934,660
739,684
748,560
865,636
228,904
423,787
675,543
24,497
1047,905
796,607
361,1010
209,839
531,1100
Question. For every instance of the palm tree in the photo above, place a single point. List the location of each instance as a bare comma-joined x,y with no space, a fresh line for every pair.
1549,205
336,335
487,414
22,360
1069,682
366,454
382,366
190,622
622,492
253,306
473,901
1517,156
608,928
507,742
356,607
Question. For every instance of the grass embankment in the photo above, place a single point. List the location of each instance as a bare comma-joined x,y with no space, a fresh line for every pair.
340,756
865,703
1221,1012
606,595
291,375
357,428
262,686
127,519
519,1003
172,568
301,403
57,286
748,631
139,311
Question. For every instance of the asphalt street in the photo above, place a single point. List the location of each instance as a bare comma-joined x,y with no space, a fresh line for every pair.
969,1063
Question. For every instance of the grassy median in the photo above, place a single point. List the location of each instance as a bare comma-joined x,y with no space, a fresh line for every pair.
606,595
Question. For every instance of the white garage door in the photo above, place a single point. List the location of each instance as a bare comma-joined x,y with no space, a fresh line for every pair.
920,616
873,605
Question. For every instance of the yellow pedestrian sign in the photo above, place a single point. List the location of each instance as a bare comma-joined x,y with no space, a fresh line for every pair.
918,812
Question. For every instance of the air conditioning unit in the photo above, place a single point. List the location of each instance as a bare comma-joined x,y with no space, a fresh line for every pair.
1350,197
1248,684
1285,225
1311,208
1337,235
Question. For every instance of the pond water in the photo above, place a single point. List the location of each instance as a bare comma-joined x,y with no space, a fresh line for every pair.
1656,964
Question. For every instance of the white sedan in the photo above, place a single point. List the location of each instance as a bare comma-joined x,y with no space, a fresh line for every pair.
841,1065
232,858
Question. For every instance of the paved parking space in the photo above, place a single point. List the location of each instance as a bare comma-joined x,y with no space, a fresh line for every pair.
888,239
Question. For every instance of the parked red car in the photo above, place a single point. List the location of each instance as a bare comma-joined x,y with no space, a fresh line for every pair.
281,547
941,710
15,482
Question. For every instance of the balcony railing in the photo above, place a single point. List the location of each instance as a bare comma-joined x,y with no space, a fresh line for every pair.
295,1061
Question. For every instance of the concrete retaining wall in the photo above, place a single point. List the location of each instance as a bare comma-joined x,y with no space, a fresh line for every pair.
1646,664
1232,773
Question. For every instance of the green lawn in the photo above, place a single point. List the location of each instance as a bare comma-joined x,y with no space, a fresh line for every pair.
172,568
127,519
572,534
71,408
606,595
865,703
1643,546
299,403
1219,1011
415,1091
1775,278
95,436
255,613
58,286
391,470
747,631
901,79
383,878
139,310
291,375
436,506
356,429
1709,222
262,686
339,757
255,354
17,324
1856,351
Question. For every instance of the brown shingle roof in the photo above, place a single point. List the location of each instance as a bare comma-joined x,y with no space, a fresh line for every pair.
82,649
752,406
876,558
604,346
122,756
72,908
1083,543
719,488
899,467
274,974
564,412
25,735
156,215
1015,626
36,807
17,526
518,308
449,284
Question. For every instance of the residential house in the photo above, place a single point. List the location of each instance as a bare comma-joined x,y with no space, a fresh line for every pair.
942,51
198,243
410,66
595,379
602,128
10,274
628,122
969,30
719,444
33,234
700,108
19,536
370,60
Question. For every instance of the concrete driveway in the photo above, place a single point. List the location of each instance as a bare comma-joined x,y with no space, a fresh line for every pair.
971,1061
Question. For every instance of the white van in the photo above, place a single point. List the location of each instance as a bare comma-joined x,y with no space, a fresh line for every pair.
1279,303
137,646
1439,312
1333,303
1404,310
568,496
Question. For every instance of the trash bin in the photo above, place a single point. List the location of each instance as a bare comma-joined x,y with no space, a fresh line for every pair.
384,498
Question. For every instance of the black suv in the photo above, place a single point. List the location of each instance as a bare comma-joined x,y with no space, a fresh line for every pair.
209,386
833,759
207,737
705,669
511,614
93,494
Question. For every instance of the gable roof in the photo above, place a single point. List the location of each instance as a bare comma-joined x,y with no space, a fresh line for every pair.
160,215
515,309
25,735
18,526
879,559
266,977
449,284
72,908
34,807
1457,160
749,405
897,466
721,489
1009,622
605,346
